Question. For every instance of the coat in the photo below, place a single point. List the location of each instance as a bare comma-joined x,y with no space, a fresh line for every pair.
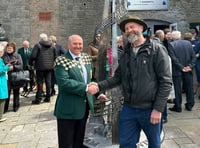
59,50
43,56
145,78
3,80
72,98
25,57
7,58
184,52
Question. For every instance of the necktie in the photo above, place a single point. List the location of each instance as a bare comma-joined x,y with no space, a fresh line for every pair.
26,51
83,69
77,58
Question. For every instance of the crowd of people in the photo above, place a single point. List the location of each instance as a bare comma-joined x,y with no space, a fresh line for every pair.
151,70
39,61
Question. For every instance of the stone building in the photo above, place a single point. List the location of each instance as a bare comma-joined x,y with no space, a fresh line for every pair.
26,19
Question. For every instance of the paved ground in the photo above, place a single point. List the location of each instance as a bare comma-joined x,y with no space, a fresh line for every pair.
34,126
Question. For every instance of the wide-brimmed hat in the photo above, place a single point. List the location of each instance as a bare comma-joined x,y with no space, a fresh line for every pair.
134,19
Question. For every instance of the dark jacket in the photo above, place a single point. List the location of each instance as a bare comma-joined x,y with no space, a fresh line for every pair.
59,50
18,65
43,56
145,77
184,53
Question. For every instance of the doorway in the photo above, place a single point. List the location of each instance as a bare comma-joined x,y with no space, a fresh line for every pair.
160,27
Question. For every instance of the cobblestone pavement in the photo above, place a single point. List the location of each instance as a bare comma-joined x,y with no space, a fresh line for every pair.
34,126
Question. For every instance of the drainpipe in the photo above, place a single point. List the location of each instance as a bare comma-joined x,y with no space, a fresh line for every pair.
114,38
115,116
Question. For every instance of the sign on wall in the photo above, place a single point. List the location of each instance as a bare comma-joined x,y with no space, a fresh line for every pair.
173,27
147,4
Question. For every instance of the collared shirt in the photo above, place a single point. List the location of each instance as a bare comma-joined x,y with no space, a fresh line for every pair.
83,69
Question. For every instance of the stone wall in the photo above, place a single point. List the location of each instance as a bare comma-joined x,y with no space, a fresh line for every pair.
43,18
14,17
182,12
20,18
80,17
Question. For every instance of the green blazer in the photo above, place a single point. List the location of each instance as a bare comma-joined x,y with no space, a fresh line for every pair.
72,97
25,57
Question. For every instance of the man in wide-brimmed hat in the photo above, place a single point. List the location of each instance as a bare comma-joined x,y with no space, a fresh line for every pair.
133,27
144,74
134,19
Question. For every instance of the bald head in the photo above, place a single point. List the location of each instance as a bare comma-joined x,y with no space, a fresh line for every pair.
26,44
75,44
73,37
160,34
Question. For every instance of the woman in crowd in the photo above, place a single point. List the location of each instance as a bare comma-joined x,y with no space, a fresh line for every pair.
14,59
3,84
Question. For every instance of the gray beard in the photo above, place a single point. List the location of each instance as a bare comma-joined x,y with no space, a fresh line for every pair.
133,39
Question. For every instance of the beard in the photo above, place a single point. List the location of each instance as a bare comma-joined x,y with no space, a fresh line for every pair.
132,38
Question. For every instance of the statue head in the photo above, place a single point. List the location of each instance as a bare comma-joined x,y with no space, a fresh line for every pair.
3,36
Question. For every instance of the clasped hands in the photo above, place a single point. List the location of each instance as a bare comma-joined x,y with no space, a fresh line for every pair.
93,88
187,69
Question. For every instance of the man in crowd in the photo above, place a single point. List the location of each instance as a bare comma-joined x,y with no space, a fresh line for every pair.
73,72
182,71
144,73
42,57
25,53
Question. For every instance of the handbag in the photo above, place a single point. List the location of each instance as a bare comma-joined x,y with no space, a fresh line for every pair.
20,76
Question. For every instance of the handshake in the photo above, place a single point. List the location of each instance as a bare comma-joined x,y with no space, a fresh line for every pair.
93,88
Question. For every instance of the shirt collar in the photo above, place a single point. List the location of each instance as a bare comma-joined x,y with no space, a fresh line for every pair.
73,55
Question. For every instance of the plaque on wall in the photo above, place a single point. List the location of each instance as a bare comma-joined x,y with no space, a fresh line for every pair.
147,4
44,16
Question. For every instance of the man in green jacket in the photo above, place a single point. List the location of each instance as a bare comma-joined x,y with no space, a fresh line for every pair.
25,53
73,72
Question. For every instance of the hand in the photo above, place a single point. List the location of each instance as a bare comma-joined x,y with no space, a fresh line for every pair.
93,83
155,117
103,98
187,69
13,62
11,67
93,88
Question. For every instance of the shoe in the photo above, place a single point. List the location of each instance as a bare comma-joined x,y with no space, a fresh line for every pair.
46,100
188,108
16,109
36,101
3,119
171,101
175,109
